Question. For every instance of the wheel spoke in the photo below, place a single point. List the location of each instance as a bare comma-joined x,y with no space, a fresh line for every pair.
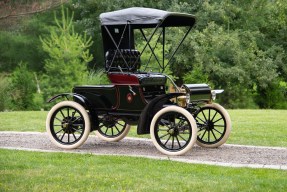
208,136
78,129
203,134
219,125
178,142
167,140
208,114
217,120
62,113
68,138
62,136
172,143
217,131
59,131
201,129
182,138
163,135
166,129
76,119
106,130
120,124
78,125
58,119
73,114
213,135
214,116
204,116
117,129
74,136
200,119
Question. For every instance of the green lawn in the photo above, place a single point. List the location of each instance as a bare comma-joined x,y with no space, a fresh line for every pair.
36,171
249,127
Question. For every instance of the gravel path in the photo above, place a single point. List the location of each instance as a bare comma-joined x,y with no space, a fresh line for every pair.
226,155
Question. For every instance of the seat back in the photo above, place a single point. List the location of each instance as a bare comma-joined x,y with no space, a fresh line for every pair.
115,60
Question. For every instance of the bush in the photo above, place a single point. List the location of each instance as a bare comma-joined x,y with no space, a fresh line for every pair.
98,77
4,93
68,57
23,88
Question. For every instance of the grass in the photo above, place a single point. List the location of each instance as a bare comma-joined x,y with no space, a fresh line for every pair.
23,121
249,127
37,171
259,127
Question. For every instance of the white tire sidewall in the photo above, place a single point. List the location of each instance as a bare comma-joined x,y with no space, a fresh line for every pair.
117,138
85,115
228,126
193,129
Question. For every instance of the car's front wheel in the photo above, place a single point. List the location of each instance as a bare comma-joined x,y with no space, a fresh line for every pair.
173,130
214,125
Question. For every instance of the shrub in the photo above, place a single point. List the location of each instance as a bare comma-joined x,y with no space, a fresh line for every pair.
4,93
23,88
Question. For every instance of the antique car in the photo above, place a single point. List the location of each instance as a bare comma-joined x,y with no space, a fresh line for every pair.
175,117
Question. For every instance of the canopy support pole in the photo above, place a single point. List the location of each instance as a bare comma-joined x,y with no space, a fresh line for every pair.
117,46
152,49
157,26
178,46
163,44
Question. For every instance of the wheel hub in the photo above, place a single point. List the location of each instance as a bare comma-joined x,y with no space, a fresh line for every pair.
67,125
209,125
173,131
109,121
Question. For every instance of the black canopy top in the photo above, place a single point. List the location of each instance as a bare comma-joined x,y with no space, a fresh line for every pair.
141,17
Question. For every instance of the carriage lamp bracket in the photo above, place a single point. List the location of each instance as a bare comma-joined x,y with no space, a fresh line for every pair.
173,83
215,92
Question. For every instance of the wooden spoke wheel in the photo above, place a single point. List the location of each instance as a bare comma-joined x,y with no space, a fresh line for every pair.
68,125
112,128
173,130
214,125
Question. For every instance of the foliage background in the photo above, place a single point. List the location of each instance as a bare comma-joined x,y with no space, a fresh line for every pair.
239,46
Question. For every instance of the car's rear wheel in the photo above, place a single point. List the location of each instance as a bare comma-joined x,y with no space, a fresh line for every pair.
68,125
112,128
173,130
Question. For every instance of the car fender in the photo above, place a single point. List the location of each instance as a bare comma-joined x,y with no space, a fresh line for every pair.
82,101
152,108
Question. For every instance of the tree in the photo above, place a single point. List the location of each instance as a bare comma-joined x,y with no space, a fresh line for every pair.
22,88
5,92
68,56
11,11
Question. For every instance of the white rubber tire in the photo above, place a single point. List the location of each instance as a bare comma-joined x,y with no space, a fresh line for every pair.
193,129
228,127
117,138
85,115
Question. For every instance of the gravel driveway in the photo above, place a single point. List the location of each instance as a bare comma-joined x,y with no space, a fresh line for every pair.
226,155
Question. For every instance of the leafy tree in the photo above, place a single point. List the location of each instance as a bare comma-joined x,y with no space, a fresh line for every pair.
22,88
5,92
68,56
